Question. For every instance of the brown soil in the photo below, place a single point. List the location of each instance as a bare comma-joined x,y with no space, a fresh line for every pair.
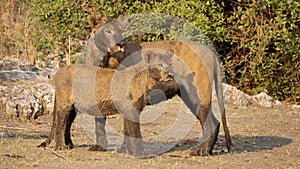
262,138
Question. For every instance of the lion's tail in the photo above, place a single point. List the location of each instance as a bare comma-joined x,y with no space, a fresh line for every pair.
226,131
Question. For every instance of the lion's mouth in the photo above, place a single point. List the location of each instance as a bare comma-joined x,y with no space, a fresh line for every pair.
168,78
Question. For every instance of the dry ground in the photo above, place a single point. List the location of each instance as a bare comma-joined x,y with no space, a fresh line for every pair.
262,138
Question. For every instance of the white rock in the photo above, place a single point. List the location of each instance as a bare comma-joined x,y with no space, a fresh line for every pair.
264,100
239,98
296,108
235,96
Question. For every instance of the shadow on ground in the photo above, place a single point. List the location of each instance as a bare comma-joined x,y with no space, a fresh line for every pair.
240,144
257,143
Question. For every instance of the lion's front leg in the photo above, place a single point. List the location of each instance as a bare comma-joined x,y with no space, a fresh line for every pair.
133,142
101,140
70,120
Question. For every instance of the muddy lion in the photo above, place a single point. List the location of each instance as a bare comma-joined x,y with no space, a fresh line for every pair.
74,92
198,72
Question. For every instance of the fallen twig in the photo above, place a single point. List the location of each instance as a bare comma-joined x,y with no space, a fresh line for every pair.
59,155
19,128
13,156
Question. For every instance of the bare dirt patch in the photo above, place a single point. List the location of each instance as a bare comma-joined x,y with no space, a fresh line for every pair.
262,138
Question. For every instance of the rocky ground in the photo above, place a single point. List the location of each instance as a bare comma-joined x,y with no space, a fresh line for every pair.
25,90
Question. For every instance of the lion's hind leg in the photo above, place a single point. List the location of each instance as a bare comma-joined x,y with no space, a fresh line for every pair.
210,129
53,130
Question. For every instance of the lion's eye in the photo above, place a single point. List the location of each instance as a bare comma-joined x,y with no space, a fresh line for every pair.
160,65
108,31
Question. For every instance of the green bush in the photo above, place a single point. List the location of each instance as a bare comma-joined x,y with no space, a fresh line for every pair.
263,48
258,41
61,25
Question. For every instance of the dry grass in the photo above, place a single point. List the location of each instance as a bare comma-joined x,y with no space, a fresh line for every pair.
15,31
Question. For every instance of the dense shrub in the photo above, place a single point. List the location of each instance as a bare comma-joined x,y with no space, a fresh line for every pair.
258,41
13,30
263,41
61,26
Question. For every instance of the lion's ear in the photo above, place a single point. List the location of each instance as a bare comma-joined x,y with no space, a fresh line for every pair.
121,16
104,19
97,21
124,20
92,20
